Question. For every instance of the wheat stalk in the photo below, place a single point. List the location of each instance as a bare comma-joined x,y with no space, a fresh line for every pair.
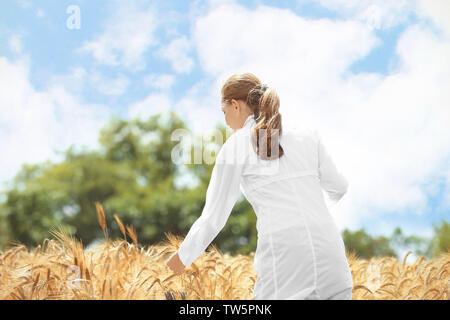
102,219
122,228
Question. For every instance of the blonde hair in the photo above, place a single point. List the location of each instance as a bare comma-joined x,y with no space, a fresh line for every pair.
264,102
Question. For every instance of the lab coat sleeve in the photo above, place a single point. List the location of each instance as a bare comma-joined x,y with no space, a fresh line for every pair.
221,195
332,181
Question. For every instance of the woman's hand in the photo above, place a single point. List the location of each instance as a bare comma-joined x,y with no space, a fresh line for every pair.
175,264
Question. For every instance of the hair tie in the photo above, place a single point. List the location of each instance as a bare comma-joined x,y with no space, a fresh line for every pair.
264,87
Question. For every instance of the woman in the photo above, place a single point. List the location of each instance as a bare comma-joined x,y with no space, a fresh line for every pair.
300,253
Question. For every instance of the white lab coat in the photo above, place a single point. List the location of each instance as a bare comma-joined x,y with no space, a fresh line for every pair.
300,253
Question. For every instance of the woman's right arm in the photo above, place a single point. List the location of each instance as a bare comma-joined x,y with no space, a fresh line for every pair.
222,193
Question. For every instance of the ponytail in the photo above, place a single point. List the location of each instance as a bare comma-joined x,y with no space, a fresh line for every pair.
267,132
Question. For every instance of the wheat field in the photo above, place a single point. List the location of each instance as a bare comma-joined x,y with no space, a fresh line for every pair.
62,268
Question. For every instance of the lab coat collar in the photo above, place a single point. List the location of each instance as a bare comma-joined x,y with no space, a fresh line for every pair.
250,119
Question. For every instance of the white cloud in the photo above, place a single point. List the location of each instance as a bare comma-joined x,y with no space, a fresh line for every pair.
290,53
177,53
74,81
159,81
15,43
201,107
78,79
24,3
152,104
109,86
438,11
40,13
387,133
128,33
446,200
378,14
270,35
34,124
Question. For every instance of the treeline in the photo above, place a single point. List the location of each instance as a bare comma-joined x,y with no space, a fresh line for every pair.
367,246
132,175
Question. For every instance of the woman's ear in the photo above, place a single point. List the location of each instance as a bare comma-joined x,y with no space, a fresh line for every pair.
233,103
236,105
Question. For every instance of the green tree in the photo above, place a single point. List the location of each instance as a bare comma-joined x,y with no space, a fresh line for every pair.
366,246
411,243
440,243
133,176
27,206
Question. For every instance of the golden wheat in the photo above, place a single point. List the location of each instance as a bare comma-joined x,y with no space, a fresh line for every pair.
62,269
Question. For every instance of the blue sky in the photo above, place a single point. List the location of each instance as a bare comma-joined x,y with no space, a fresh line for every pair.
370,75
53,47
